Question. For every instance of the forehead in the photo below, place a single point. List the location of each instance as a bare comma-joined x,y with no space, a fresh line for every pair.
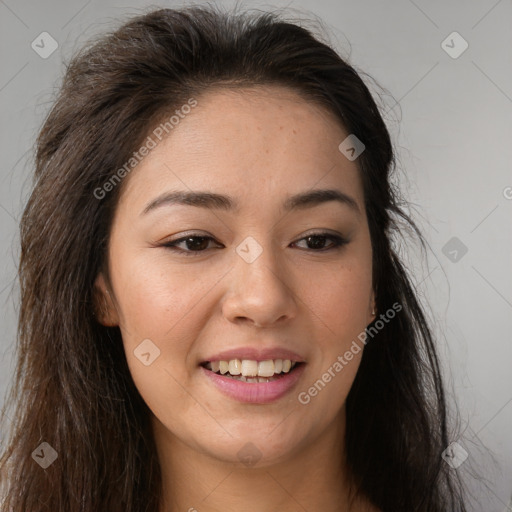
253,143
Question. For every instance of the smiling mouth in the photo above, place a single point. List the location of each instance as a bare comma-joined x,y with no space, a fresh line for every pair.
252,371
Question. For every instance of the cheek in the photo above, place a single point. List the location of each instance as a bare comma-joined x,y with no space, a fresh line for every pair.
157,300
339,298
340,308
168,308
160,310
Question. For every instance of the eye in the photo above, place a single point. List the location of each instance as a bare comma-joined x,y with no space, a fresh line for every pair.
317,241
193,243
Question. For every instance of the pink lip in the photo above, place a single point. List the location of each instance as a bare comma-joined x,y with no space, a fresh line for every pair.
256,355
255,392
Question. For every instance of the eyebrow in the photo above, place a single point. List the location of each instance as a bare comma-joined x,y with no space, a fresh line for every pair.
212,200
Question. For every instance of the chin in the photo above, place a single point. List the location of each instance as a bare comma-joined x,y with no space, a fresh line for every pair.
251,446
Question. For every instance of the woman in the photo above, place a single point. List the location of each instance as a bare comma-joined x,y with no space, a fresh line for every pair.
212,312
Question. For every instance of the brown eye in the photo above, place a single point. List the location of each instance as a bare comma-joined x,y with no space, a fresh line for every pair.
316,242
192,243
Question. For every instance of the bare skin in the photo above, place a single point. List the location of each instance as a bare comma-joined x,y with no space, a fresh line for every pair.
258,146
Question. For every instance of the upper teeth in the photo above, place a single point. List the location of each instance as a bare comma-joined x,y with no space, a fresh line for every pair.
251,368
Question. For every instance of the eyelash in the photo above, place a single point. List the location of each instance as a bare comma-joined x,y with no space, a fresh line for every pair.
338,242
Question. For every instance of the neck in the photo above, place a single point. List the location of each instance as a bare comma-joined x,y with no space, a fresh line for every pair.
313,478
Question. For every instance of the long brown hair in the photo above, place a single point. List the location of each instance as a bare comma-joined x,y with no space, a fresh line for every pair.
73,388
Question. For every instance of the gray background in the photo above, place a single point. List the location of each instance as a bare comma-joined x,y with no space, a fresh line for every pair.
452,127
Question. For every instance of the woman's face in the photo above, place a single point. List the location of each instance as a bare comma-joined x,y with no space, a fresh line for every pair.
255,286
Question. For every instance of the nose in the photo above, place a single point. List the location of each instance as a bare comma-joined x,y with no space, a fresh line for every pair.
260,292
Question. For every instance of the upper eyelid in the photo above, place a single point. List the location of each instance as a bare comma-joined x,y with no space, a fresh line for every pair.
318,232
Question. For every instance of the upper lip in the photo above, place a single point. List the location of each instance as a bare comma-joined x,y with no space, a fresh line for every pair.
255,354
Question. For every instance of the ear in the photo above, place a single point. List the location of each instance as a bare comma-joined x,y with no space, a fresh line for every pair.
373,307
105,310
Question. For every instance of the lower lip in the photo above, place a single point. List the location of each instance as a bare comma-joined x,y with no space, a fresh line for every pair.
256,392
